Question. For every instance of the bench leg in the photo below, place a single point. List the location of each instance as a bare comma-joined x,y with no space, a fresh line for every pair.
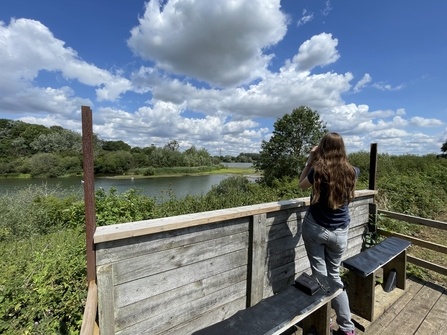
319,319
361,294
399,263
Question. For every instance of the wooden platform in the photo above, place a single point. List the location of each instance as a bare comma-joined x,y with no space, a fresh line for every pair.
421,310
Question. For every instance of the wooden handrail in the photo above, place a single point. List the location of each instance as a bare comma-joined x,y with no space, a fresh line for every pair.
414,219
89,319
428,245
146,227
416,241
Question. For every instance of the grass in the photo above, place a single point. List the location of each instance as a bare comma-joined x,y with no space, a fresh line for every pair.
238,171
435,236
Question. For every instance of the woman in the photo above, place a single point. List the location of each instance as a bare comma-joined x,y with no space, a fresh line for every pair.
326,223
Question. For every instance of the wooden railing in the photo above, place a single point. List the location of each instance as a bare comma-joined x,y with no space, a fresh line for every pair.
428,245
89,325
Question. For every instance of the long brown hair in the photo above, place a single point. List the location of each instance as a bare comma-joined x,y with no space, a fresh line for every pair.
332,168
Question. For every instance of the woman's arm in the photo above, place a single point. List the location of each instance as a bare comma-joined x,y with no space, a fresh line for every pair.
304,182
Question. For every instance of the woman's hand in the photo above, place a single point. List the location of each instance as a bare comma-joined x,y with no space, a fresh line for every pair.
312,154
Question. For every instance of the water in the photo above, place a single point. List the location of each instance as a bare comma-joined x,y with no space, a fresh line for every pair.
150,187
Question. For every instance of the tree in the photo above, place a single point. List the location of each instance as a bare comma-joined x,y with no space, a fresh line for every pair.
116,146
444,149
286,152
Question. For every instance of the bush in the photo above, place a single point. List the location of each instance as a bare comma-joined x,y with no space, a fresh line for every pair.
34,210
43,286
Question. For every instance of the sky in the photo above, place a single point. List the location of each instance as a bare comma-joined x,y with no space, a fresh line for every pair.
217,74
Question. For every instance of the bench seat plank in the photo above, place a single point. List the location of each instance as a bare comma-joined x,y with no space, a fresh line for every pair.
368,261
275,314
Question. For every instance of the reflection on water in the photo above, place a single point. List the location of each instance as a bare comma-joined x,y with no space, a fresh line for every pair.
150,187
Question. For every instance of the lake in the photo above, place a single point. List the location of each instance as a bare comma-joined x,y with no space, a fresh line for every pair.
150,187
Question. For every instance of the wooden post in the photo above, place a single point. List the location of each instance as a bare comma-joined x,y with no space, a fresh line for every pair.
256,264
89,190
373,166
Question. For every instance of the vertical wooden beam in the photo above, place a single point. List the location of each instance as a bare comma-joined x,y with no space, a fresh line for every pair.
256,260
399,263
320,319
89,190
361,293
373,166
106,299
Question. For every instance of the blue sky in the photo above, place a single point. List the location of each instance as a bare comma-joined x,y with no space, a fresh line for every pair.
217,74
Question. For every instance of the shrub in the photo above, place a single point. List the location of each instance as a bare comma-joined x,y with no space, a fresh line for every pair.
43,286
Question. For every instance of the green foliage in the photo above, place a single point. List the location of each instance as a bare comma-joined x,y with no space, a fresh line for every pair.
114,207
286,152
115,146
55,151
34,210
43,284
43,275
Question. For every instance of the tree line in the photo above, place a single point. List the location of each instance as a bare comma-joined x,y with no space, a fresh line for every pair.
54,151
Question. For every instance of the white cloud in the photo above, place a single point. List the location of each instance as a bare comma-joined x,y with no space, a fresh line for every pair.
27,47
362,82
224,43
423,122
213,41
306,18
320,50
327,8
387,87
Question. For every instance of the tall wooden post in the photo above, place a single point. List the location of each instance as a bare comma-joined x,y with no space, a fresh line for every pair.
373,166
89,190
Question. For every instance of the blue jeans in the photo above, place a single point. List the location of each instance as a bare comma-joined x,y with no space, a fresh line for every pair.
325,249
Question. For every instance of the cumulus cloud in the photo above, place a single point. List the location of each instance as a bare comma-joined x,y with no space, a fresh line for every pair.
320,50
181,44
27,47
212,41
423,122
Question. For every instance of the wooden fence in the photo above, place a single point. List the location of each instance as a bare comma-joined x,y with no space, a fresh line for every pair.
179,274
428,245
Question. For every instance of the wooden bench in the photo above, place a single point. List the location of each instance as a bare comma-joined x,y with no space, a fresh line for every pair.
389,255
276,314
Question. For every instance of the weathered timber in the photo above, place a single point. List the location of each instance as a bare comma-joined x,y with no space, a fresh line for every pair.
428,265
179,274
416,241
414,219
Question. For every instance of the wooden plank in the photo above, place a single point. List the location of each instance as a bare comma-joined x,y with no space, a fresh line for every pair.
416,241
383,301
186,312
143,288
427,265
146,227
435,322
88,320
180,296
283,229
414,285
414,219
320,319
361,293
139,267
295,215
256,266
208,318
399,264
114,251
412,315
324,304
106,299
